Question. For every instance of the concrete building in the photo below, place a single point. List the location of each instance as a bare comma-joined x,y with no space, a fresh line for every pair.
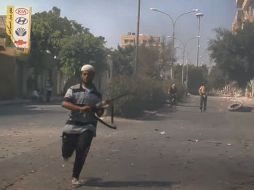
245,12
2,32
147,40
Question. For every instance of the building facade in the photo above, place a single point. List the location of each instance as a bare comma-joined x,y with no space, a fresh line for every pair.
2,32
245,13
147,40
15,73
18,79
8,67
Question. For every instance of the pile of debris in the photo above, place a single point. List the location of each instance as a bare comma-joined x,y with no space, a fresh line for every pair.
231,89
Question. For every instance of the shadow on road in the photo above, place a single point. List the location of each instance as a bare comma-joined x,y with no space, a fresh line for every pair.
98,182
185,105
157,115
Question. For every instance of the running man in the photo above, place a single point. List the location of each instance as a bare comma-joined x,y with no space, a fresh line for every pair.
80,127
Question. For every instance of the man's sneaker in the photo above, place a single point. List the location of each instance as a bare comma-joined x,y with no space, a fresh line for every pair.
76,182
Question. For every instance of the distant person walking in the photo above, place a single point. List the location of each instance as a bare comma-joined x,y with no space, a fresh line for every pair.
80,128
48,90
203,96
172,92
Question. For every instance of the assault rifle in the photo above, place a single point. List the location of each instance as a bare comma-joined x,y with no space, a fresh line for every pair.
104,104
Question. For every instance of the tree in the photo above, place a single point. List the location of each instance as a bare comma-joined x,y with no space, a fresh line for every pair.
216,78
123,60
149,61
149,91
234,53
166,57
82,49
66,40
197,75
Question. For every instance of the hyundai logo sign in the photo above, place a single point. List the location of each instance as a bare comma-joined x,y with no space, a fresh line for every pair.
21,20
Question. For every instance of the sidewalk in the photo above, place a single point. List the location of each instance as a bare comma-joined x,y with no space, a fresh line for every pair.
55,99
14,101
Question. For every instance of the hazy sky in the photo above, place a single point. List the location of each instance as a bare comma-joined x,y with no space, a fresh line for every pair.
112,18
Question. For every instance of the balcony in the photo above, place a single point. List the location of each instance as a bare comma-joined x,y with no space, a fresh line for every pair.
238,20
239,17
239,14
239,3
247,3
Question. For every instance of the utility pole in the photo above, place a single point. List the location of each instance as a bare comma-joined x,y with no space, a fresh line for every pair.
137,40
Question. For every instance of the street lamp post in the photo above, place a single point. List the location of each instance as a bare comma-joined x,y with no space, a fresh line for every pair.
173,32
199,15
184,51
184,45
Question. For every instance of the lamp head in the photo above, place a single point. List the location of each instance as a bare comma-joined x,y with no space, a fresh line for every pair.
199,14
153,9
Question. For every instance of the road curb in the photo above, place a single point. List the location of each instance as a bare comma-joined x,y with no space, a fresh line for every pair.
14,102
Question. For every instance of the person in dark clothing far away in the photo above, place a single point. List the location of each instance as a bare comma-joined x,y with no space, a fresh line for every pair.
172,92
48,90
80,127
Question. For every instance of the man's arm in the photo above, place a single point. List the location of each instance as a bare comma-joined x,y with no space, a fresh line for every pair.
67,103
169,91
199,91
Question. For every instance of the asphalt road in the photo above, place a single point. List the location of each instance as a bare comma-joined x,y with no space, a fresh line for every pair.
172,149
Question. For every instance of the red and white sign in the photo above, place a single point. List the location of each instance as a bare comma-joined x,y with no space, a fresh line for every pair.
22,11
22,27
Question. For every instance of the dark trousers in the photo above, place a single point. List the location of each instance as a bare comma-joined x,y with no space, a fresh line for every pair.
48,95
203,102
81,144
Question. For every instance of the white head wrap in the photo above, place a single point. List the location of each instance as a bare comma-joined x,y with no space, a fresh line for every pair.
87,67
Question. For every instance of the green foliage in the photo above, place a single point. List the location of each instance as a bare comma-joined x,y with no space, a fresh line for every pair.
152,60
197,75
148,89
234,53
216,78
149,62
177,70
65,40
166,57
123,60
144,94
166,52
80,49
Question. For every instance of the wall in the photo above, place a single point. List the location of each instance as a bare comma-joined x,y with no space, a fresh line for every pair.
8,87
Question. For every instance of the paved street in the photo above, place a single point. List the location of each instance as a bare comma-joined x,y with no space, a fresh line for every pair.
180,149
